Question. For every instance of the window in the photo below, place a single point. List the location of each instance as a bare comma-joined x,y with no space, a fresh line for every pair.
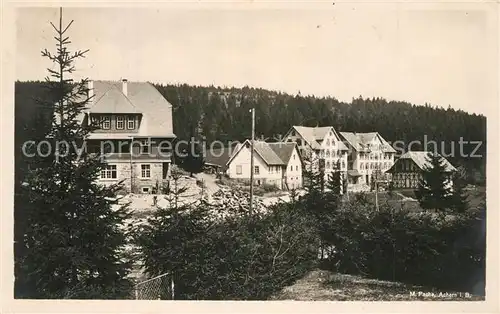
327,153
108,172
93,120
106,122
145,171
145,146
327,165
343,164
238,169
293,157
130,123
362,166
296,168
120,122
291,168
327,142
256,170
145,190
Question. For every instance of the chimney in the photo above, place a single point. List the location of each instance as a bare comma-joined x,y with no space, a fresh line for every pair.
90,86
124,87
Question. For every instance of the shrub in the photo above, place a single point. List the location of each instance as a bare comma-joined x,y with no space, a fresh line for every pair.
238,258
269,188
422,248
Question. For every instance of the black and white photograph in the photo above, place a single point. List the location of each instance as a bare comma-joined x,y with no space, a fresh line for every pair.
291,151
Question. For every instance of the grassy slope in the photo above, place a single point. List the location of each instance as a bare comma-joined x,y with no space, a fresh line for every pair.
320,285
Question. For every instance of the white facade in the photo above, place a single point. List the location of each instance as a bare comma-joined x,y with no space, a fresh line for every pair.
327,148
374,156
239,168
332,154
293,171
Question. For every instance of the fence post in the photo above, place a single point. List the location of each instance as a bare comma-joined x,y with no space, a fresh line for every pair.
136,293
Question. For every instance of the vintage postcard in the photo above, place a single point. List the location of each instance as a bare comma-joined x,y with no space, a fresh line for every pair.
290,153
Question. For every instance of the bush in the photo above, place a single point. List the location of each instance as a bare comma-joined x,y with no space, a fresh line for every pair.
239,258
269,188
395,244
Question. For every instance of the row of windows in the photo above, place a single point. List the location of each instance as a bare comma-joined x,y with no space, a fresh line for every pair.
368,166
406,165
374,156
105,122
109,172
330,153
333,165
272,169
328,143
300,142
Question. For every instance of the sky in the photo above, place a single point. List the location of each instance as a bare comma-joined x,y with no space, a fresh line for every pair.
443,54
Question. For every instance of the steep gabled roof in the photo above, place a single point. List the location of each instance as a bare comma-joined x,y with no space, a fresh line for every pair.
359,141
109,98
262,149
315,135
421,159
267,153
283,150
141,98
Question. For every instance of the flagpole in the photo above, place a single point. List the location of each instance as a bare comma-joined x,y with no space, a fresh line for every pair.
251,160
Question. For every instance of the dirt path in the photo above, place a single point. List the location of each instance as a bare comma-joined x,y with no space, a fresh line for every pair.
405,198
210,182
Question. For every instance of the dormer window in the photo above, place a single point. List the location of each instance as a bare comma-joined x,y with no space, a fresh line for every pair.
106,122
130,123
120,122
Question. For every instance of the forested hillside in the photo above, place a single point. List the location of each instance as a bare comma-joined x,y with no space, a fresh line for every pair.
223,114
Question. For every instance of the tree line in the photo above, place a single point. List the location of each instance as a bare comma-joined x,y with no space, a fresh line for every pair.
219,113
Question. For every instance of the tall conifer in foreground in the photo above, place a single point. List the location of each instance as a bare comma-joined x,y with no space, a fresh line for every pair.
72,241
433,191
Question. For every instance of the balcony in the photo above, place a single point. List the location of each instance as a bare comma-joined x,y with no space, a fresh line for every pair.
137,156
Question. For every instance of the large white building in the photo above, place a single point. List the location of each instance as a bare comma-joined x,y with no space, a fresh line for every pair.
319,146
369,153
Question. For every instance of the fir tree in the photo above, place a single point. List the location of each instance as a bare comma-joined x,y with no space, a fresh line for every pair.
459,196
335,181
193,159
72,241
433,191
